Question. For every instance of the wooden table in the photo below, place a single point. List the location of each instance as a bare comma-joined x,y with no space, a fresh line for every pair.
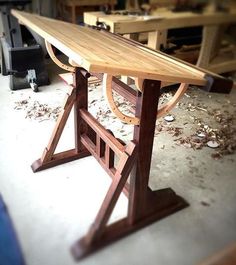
105,54
64,5
157,25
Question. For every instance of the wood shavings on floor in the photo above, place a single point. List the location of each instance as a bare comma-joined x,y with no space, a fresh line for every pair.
36,110
210,127
203,123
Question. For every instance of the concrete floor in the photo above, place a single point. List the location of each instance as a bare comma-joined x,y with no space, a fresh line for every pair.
53,208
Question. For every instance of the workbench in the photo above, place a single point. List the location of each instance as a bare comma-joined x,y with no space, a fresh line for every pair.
68,10
111,56
160,21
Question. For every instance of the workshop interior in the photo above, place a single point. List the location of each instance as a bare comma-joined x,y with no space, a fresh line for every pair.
131,104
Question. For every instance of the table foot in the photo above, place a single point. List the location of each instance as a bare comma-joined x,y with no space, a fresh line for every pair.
58,159
160,204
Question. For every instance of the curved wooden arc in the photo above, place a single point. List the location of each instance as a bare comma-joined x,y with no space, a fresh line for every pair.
139,83
170,104
173,101
107,88
55,60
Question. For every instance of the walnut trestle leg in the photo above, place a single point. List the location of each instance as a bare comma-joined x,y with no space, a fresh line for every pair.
78,98
134,159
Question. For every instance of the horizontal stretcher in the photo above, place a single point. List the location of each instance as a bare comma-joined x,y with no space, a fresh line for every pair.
107,55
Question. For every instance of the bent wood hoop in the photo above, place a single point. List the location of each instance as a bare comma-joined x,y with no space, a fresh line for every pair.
173,101
56,60
107,88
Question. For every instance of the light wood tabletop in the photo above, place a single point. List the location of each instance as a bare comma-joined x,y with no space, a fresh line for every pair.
157,24
102,52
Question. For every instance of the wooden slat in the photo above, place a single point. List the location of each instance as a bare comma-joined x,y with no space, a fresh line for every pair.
125,165
109,157
103,53
109,139
90,146
110,171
